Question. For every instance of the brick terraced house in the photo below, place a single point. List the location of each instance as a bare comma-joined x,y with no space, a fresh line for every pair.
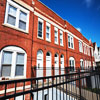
34,36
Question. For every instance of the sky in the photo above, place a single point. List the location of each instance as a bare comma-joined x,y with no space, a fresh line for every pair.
84,15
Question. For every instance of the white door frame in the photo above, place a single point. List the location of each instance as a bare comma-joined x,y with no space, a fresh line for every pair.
62,64
56,64
39,69
48,65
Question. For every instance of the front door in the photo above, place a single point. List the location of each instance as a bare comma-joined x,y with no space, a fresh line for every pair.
48,65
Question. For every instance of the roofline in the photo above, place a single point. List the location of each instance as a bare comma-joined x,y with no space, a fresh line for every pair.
51,9
62,19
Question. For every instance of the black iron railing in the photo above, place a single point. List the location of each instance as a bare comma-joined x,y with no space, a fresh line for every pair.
70,86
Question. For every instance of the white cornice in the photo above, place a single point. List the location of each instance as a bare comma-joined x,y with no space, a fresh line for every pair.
24,5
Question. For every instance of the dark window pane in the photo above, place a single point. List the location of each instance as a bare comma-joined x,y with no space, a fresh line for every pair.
40,26
39,33
19,70
11,20
68,44
71,45
22,25
6,70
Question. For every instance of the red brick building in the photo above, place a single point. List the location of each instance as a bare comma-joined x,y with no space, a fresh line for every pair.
32,35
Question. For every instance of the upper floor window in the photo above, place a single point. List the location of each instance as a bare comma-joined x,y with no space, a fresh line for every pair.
88,51
13,62
70,42
61,38
16,16
85,49
92,52
56,35
80,46
40,28
48,35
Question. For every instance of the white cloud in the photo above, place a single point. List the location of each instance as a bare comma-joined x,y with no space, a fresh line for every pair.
88,3
79,29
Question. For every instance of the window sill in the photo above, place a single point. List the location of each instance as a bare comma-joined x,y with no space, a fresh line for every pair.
12,78
56,43
71,48
80,52
40,38
48,41
62,45
10,26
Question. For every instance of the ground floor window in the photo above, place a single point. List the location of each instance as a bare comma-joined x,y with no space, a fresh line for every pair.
12,62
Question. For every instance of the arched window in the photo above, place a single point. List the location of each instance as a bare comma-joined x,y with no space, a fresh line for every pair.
48,54
81,63
62,63
56,64
39,58
72,63
48,64
40,53
56,55
62,56
13,62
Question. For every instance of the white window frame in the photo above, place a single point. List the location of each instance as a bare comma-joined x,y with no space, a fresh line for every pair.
47,24
82,61
14,51
88,51
85,49
40,20
61,32
80,47
56,29
92,52
70,41
19,8
72,59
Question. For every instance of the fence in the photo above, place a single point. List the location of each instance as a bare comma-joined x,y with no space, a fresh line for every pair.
80,85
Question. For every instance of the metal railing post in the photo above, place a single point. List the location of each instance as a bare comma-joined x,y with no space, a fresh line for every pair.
79,84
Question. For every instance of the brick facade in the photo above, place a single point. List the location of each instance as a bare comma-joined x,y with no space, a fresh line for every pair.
31,44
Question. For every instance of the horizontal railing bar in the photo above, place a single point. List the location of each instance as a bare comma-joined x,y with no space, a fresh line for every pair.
40,78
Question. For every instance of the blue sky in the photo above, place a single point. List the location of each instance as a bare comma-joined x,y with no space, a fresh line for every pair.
82,14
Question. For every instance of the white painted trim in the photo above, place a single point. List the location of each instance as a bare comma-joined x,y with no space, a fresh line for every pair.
24,5
48,16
